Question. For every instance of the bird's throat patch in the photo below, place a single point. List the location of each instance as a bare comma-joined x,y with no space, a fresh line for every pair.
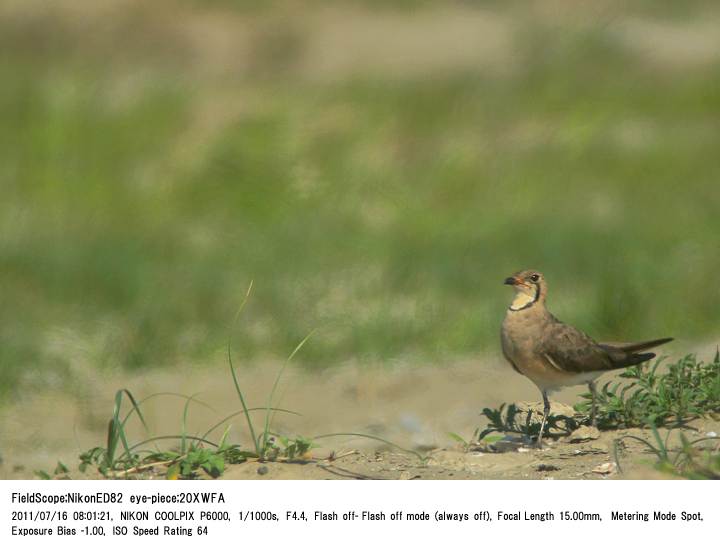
524,301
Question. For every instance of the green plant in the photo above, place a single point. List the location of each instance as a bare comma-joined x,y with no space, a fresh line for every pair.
61,471
265,442
692,459
211,460
513,420
107,458
278,446
465,444
653,396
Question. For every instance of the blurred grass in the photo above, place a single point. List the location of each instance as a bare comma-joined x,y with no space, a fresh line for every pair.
141,193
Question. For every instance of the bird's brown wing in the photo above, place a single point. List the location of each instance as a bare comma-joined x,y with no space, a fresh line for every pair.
570,350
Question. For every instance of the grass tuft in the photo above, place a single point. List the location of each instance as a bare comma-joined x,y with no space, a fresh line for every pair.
695,459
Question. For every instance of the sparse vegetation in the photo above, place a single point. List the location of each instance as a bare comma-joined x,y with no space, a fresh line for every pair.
508,419
196,453
644,396
698,459
658,395
119,458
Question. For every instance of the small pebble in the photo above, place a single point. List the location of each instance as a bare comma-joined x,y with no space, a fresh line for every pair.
606,468
262,470
406,475
584,434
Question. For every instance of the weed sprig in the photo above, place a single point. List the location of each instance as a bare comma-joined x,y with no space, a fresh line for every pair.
692,460
512,420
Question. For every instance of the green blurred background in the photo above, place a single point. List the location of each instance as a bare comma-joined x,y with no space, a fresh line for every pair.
376,168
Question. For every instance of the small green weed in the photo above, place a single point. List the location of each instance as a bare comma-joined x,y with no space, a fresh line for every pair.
692,459
647,396
465,444
515,421
61,472
265,442
279,446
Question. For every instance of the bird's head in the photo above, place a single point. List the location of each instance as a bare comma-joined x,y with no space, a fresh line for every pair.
530,288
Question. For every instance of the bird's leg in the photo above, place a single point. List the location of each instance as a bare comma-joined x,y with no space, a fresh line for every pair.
593,409
546,412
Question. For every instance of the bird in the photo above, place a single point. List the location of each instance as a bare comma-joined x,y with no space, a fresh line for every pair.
553,354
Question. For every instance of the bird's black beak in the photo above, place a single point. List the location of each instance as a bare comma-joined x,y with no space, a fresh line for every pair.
510,281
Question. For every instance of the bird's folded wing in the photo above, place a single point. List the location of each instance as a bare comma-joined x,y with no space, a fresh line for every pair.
570,350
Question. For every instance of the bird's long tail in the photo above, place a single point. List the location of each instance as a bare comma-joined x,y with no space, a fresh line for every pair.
627,354
642,345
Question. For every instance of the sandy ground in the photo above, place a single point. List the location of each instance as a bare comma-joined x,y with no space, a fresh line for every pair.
414,406
559,459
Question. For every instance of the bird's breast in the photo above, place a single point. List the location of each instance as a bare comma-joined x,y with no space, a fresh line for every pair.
520,333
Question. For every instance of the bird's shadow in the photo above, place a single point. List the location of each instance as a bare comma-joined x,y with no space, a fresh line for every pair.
511,420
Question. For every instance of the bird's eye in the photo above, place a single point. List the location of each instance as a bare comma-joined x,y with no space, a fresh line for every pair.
535,277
